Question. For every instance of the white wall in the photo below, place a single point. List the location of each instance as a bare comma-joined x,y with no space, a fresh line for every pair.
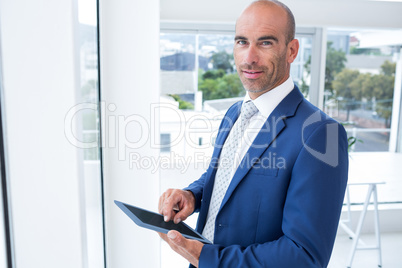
345,13
129,36
39,68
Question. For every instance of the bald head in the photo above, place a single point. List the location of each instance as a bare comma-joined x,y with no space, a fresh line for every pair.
290,25
264,46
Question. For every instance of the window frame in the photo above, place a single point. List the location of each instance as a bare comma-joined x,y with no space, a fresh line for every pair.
318,50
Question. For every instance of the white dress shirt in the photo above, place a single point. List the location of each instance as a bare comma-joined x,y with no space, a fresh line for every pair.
265,103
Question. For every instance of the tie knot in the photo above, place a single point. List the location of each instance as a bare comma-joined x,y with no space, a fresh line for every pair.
248,109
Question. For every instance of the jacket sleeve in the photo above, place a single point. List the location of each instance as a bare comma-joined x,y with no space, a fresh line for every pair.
197,189
311,211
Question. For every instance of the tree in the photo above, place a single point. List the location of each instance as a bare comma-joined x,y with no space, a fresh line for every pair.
213,74
342,85
364,51
222,60
226,86
383,90
208,87
183,105
220,82
388,68
350,85
381,87
360,86
334,64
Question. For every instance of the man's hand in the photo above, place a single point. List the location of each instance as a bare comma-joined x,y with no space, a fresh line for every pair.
177,205
187,248
183,201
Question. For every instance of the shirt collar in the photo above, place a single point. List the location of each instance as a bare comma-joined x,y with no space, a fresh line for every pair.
268,101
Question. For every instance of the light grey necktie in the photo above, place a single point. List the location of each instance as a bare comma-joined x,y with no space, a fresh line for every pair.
223,175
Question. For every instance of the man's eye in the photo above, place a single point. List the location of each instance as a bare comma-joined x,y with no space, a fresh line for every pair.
241,42
266,43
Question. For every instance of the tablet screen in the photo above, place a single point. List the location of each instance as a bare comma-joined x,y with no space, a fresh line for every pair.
157,220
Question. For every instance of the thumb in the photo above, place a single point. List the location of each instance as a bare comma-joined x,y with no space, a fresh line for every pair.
176,237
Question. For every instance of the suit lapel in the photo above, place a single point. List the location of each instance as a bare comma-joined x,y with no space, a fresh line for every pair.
267,135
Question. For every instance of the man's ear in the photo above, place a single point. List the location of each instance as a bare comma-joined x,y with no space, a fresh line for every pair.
293,50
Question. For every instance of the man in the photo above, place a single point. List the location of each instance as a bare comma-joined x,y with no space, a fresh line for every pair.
273,192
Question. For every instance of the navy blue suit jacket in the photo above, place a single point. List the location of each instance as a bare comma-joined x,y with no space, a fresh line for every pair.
283,204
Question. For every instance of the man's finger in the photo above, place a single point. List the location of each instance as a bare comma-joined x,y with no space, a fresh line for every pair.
176,238
168,206
182,215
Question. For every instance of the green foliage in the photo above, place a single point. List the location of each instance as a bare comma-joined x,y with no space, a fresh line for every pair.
335,63
364,51
220,82
343,87
183,105
342,84
222,60
360,87
230,86
351,141
351,85
213,74
220,87
383,89
388,68
208,87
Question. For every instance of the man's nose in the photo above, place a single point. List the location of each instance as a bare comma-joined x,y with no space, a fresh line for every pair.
251,55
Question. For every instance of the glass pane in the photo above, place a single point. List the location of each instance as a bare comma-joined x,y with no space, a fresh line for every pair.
360,76
196,73
165,143
89,121
300,68
218,77
359,85
177,63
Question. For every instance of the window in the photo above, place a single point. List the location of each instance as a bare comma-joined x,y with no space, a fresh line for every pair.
359,85
5,221
90,122
165,143
359,93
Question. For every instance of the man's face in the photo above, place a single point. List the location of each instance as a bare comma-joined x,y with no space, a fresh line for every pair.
261,54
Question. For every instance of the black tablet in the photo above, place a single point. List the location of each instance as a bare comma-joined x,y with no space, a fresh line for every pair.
154,221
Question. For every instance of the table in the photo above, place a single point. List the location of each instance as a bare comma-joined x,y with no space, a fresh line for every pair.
371,169
355,235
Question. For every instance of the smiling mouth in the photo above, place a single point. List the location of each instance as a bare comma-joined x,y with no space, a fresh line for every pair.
251,74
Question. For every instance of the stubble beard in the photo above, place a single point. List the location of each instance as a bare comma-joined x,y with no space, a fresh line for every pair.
256,86
270,79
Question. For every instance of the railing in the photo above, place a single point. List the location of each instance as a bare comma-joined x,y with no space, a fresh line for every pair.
354,132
